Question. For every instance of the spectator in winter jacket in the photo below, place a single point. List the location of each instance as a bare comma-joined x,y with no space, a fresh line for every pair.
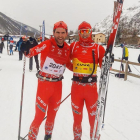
11,47
125,56
1,47
2,39
18,47
139,58
33,43
25,43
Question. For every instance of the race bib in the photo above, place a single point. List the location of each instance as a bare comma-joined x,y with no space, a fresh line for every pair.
83,68
51,67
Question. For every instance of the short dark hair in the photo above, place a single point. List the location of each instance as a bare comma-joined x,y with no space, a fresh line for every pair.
55,29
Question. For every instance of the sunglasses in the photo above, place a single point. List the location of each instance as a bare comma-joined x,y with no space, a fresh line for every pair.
85,31
60,24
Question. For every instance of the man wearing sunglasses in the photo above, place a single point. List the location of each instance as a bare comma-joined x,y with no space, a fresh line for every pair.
54,59
86,55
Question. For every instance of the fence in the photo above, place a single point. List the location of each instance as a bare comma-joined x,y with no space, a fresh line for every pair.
126,69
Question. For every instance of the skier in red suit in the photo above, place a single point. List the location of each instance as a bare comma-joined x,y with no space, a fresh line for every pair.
86,55
55,57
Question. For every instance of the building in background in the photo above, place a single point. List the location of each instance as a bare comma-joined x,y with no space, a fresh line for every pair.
99,37
138,39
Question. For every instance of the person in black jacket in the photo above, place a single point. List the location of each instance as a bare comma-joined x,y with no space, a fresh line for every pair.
1,46
33,43
25,43
139,58
18,45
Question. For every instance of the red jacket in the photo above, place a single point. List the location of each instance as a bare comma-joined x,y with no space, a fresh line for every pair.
83,59
53,59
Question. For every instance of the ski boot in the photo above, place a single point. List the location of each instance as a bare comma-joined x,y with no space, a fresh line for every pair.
47,137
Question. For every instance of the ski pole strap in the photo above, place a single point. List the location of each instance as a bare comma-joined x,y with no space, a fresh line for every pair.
88,79
85,79
49,79
93,55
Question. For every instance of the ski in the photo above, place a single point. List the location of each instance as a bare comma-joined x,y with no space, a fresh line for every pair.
105,70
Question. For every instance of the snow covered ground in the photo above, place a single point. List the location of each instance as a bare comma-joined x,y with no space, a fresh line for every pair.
122,118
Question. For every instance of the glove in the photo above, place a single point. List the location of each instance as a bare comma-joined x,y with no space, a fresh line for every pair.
112,58
112,61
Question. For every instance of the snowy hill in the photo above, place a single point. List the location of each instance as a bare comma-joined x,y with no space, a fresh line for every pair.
130,18
122,117
13,27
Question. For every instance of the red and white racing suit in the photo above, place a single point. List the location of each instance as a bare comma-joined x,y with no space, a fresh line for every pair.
53,63
84,92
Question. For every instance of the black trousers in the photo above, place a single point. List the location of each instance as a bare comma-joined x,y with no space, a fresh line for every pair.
20,55
31,62
1,49
125,58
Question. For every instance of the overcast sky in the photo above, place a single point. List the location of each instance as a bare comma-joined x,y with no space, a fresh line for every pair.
73,12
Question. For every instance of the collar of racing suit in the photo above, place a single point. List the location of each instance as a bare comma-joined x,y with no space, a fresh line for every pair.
85,42
55,44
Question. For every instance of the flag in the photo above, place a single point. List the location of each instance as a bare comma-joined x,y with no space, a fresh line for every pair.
43,31
26,29
34,34
20,29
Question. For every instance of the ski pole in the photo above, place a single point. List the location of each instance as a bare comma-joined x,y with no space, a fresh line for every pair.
104,110
21,97
46,116
60,103
121,63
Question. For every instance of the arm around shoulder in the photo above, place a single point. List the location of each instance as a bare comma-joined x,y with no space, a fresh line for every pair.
44,46
69,65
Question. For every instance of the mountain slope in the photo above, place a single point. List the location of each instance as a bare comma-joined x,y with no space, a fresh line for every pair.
13,27
130,18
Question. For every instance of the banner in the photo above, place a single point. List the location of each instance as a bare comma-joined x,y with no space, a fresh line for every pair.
35,35
26,29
